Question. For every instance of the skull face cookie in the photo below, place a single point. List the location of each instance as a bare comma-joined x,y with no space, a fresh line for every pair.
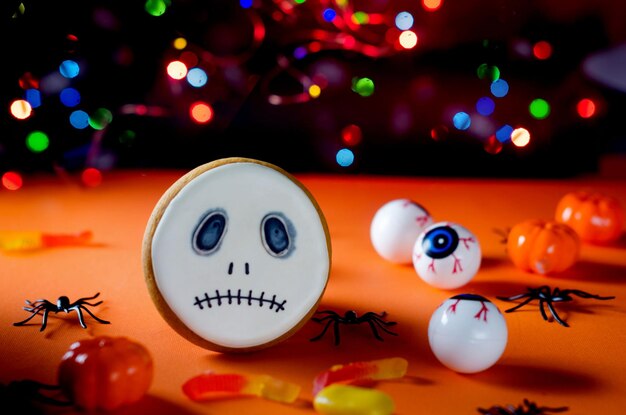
236,255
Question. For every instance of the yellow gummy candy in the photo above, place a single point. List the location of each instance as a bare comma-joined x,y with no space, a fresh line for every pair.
339,399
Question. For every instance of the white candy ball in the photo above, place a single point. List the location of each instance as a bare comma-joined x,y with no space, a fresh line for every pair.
467,333
395,227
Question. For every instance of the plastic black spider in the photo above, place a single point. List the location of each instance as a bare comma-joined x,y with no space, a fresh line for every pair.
546,296
63,304
351,317
531,409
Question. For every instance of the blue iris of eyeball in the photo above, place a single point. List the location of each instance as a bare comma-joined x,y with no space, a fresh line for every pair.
446,255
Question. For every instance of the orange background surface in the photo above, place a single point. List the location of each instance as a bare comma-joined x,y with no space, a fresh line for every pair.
582,367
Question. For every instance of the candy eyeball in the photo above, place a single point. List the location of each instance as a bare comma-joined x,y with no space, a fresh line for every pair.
467,333
446,255
395,227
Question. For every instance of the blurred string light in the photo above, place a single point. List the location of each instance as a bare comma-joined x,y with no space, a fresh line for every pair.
539,108
69,69
520,137
490,72
351,135
246,4
315,91
408,39
156,7
329,15
179,43
439,133
499,88
432,5
345,157
21,109
492,145
79,119
69,97
200,112
33,96
586,108
12,180
37,141
485,106
503,134
542,50
100,119
363,86
177,70
404,21
91,177
461,120
197,77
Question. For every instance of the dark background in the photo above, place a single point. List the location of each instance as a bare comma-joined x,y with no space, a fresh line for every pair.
123,52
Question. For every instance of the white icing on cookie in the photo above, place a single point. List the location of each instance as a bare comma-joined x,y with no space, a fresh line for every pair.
241,255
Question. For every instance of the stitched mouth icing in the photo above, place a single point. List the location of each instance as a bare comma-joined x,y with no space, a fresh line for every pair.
219,299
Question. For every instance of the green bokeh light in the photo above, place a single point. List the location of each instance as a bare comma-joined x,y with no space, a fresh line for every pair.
363,86
539,108
37,141
156,7
360,18
490,72
100,119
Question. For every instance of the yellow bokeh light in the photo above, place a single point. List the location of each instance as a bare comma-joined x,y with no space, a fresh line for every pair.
408,39
180,43
432,5
315,91
177,70
21,109
520,137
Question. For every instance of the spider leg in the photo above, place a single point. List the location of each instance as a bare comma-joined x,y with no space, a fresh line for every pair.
89,304
523,303
374,331
319,336
515,297
386,323
336,330
82,300
327,312
92,315
555,314
583,294
542,304
44,319
319,320
80,315
371,314
34,312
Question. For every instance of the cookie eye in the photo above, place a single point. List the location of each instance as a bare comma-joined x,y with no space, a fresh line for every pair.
209,232
275,235
440,242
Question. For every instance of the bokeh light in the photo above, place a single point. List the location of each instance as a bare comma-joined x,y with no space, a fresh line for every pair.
345,157
21,109
404,21
363,86
12,180
315,91
539,108
201,112
432,5
408,39
329,15
360,18
461,120
499,88
520,137
503,134
28,80
586,108
179,43
33,96
485,106
492,145
490,72
246,4
79,119
177,70
156,8
69,97
37,141
100,119
542,50
351,135
69,69
91,177
197,77
439,132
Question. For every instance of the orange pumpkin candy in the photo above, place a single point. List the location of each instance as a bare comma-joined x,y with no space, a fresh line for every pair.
105,373
543,246
596,218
